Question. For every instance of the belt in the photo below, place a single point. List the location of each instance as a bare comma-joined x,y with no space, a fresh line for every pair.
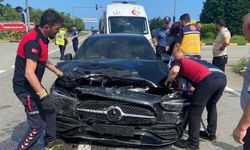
223,56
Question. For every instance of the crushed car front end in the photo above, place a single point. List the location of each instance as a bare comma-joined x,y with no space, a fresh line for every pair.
115,110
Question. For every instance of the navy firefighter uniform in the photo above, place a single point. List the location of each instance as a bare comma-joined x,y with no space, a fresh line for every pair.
33,46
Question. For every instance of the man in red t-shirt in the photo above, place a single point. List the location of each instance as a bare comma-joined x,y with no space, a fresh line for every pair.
209,83
31,61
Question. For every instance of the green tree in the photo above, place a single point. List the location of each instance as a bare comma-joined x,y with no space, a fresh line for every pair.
35,15
234,11
1,7
79,24
212,9
68,22
9,14
231,11
208,31
156,23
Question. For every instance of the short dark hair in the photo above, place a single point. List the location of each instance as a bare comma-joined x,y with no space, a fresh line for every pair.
167,19
175,29
185,17
220,22
50,17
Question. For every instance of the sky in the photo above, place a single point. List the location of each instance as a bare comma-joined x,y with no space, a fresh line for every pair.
154,8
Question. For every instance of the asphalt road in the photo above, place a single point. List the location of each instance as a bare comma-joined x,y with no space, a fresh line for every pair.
12,116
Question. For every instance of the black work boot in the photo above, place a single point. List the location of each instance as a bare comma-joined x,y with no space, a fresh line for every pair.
53,145
186,145
207,136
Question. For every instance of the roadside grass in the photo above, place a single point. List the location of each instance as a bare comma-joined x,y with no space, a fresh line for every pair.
241,66
11,35
240,39
208,41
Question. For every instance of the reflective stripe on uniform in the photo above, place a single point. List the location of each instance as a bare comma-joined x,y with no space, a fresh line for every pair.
215,70
191,32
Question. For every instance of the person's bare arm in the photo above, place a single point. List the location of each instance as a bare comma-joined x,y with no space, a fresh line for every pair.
167,48
73,37
53,69
244,123
155,41
172,75
31,76
226,41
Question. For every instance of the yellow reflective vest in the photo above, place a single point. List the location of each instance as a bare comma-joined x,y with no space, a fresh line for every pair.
60,38
190,44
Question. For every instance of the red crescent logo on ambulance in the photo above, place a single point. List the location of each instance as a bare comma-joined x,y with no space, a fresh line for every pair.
116,12
135,12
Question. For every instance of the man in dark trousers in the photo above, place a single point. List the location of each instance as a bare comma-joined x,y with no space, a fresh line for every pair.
75,39
31,61
61,41
220,46
209,83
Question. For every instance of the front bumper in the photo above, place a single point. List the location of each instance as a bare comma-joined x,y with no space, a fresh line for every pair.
143,120
123,135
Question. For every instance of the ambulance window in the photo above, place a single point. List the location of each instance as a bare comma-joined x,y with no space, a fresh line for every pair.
131,25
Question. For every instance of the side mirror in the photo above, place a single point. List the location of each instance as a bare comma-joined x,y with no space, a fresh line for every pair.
67,57
165,58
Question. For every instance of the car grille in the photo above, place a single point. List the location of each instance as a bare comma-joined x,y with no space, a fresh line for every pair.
96,111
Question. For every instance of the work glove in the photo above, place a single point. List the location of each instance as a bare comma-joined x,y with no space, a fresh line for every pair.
59,73
47,104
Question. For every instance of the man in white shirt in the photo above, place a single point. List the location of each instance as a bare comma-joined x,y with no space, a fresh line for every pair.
220,46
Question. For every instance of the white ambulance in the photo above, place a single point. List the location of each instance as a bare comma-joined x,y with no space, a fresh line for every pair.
125,17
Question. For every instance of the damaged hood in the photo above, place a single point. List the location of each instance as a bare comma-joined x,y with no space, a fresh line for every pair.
151,70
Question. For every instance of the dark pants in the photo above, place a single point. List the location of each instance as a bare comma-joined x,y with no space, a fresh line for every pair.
75,44
62,49
160,51
207,93
220,62
246,145
38,121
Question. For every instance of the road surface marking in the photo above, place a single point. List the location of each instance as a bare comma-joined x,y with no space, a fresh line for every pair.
53,51
84,147
2,71
228,89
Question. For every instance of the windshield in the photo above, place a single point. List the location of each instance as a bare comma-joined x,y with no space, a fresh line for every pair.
132,25
116,47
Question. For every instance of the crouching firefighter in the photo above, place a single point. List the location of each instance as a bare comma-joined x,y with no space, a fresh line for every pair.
31,60
209,83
